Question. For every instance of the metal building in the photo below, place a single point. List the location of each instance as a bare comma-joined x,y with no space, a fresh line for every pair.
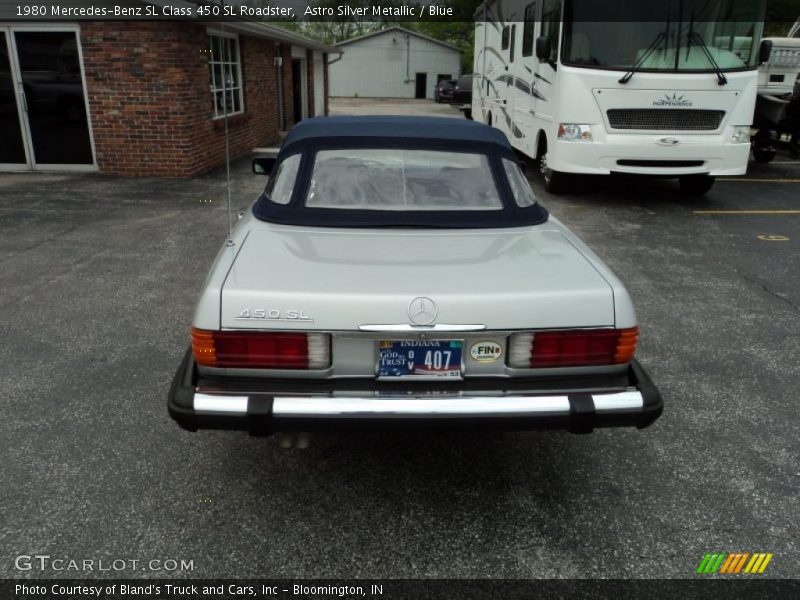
392,63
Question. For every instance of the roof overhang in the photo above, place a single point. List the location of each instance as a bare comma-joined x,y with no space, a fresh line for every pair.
255,28
271,32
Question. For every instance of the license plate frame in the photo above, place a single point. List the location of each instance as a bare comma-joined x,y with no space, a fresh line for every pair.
394,362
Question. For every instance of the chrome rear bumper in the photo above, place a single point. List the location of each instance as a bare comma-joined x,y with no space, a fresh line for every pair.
262,412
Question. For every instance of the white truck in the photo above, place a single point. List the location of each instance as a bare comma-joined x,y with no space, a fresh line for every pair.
657,87
777,78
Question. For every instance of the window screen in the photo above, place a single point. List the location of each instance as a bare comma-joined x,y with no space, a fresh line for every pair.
281,185
396,179
520,187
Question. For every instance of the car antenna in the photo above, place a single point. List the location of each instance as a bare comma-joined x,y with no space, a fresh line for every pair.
225,63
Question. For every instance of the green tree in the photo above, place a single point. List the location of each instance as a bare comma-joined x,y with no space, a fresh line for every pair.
780,16
457,30
459,33
338,28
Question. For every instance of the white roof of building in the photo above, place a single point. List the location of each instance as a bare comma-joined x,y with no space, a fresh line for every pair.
401,30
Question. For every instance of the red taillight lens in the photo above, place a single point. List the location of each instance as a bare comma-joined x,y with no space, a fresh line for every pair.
261,349
572,348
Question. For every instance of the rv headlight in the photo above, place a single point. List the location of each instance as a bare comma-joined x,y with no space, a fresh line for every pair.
741,134
574,132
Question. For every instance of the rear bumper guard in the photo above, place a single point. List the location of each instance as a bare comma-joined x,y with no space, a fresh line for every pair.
263,413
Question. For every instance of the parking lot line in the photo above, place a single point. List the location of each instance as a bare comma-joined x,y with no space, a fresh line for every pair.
761,180
746,212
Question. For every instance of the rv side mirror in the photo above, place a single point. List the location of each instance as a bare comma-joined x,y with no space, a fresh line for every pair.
543,48
263,165
764,50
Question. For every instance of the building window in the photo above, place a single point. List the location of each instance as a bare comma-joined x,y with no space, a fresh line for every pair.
506,37
225,68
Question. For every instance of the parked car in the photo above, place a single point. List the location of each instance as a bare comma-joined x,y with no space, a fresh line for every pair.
400,271
444,90
462,94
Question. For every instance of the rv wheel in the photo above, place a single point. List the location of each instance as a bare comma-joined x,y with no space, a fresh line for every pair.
554,181
764,147
794,146
764,155
696,185
468,113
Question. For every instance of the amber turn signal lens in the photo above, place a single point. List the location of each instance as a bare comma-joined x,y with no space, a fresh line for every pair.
203,347
261,349
572,347
626,345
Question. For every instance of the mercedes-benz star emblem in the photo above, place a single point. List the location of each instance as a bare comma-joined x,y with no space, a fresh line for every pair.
422,311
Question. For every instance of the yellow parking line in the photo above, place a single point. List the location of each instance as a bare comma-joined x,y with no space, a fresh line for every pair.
762,180
746,212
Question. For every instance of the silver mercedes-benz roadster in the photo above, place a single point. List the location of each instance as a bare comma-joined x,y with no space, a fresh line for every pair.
398,271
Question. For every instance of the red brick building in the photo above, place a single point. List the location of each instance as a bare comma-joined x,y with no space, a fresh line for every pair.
150,98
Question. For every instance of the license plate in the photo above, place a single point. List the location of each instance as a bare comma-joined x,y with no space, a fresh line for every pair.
420,394
440,359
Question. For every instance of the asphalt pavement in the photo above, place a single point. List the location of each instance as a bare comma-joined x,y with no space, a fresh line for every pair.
99,276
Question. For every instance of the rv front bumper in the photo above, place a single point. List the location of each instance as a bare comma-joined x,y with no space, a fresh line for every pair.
662,155
266,406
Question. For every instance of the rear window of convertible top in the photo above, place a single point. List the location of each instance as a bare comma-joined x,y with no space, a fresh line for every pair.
392,180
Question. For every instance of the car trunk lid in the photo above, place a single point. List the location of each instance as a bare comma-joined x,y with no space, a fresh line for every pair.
332,279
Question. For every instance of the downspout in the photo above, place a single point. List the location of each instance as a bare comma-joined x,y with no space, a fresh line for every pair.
483,69
279,73
408,58
326,63
338,58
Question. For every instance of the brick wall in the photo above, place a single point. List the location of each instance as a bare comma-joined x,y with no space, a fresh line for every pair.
288,91
148,92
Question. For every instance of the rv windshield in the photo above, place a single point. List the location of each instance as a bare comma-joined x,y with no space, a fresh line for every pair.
730,29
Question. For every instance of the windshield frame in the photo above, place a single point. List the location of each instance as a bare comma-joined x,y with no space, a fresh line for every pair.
757,24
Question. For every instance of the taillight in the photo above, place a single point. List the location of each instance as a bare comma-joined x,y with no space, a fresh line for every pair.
261,349
572,347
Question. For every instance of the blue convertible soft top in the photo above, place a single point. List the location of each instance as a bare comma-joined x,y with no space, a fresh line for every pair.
312,136
409,128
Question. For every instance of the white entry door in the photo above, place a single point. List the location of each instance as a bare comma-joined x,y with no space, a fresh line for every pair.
319,85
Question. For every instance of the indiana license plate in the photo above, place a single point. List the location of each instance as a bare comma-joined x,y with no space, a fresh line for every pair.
439,359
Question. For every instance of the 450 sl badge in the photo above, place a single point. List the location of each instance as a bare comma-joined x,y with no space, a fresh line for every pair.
273,314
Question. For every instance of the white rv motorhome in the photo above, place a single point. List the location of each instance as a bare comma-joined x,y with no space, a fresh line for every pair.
652,87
